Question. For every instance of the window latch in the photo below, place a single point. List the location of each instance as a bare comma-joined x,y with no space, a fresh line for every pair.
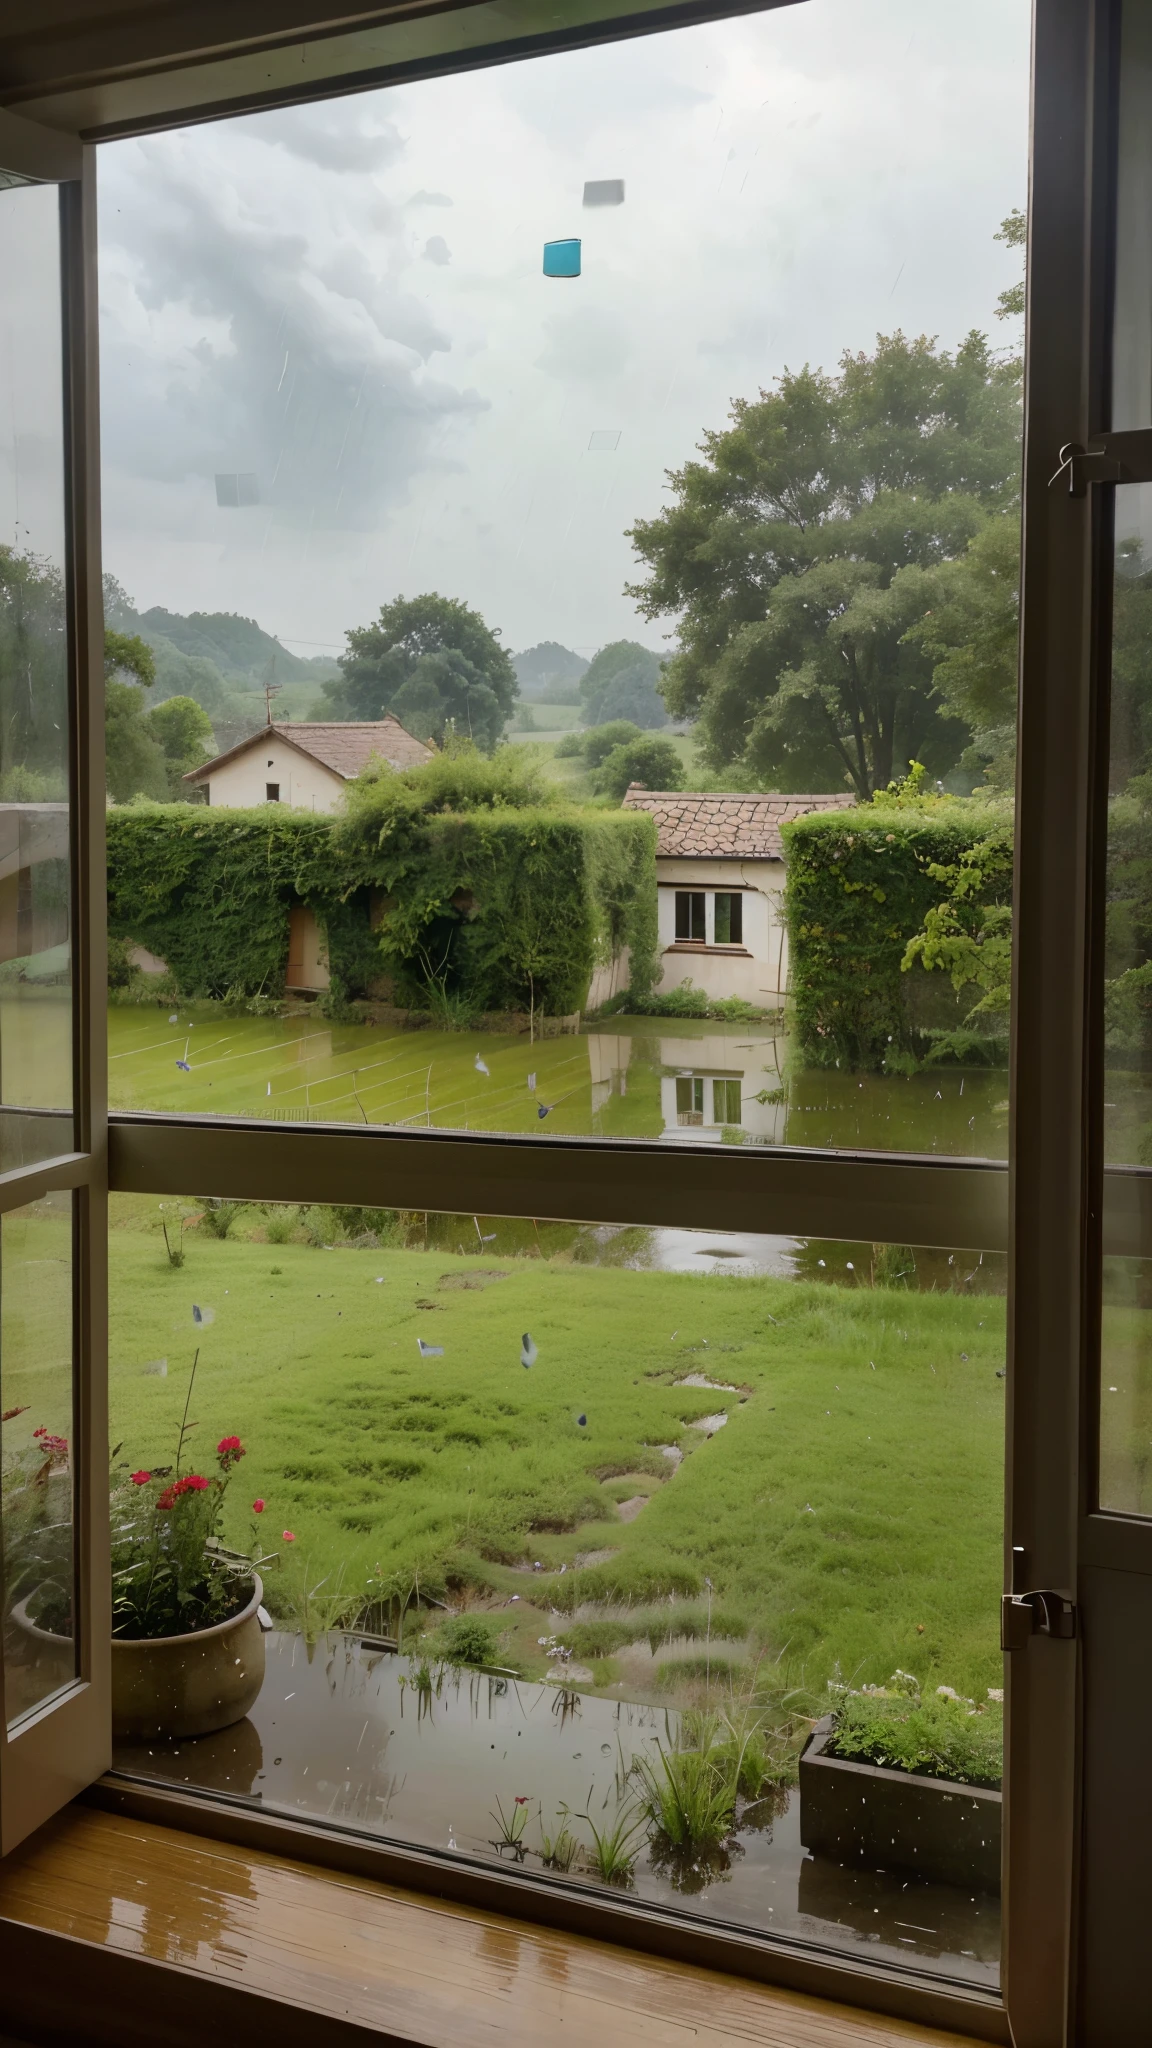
1124,458
1024,1615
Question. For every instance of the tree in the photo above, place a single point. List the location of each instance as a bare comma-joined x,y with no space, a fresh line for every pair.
183,731
134,760
622,681
549,668
653,763
970,631
782,556
433,663
1013,232
33,679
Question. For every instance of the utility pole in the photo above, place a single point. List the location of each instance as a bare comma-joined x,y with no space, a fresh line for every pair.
271,689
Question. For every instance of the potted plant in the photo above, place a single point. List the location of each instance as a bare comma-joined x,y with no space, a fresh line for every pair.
37,1549
899,1781
187,1637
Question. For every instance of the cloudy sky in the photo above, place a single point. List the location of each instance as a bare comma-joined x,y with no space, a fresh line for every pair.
347,302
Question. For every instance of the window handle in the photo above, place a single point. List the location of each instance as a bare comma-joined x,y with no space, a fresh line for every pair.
1124,458
1024,1615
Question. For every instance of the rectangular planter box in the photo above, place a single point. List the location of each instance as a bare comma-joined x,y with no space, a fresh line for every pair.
897,1820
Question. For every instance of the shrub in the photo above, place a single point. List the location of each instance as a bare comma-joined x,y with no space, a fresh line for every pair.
599,742
859,888
942,1736
280,1224
468,1639
570,747
652,762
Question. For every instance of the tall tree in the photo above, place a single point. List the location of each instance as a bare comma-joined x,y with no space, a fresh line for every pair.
434,663
623,681
782,551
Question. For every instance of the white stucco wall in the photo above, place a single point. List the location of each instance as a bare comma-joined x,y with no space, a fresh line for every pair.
760,972
305,784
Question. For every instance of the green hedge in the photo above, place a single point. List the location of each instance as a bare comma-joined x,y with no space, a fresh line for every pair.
496,908
857,890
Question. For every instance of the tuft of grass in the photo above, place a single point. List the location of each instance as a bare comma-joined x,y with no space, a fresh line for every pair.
615,1848
689,1795
560,1850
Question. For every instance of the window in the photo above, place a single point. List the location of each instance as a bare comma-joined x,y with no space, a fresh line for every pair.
726,1102
729,925
690,1099
562,1527
690,914
272,792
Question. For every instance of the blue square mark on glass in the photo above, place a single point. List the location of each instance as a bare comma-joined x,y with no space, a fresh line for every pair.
562,259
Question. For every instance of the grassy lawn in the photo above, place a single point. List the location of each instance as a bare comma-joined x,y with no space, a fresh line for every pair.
850,1509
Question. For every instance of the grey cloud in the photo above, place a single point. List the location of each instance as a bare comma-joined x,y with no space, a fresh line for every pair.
313,374
436,250
336,138
430,199
587,343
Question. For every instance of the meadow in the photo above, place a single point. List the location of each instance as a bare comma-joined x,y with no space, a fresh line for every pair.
847,1512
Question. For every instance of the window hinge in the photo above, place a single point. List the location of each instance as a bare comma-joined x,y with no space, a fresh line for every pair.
1124,458
1024,1615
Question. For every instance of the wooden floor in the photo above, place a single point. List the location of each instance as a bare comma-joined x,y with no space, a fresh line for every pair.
327,1956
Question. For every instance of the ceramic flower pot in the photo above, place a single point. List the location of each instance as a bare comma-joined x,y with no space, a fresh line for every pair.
180,1685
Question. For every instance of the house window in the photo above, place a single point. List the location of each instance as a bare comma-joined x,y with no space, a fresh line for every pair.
726,1100
272,792
690,1099
729,925
690,914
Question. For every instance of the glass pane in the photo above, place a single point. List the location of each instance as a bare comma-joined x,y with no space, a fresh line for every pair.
425,444
1126,1388
571,1540
35,947
37,1428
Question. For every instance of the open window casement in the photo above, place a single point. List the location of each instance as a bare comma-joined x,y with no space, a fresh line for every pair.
53,1152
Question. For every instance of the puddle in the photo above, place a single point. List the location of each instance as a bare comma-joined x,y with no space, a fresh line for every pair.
337,1736
709,1424
700,1379
672,1452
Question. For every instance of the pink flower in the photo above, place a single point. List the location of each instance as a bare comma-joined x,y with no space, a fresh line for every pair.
288,1536
141,1478
257,1507
229,1450
191,1483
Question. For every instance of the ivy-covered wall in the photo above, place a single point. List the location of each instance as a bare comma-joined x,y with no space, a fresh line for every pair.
500,908
858,886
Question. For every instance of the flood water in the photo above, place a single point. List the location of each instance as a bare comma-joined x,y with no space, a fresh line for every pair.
341,1733
666,1078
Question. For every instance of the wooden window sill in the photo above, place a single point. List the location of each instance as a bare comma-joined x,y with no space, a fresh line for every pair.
122,1933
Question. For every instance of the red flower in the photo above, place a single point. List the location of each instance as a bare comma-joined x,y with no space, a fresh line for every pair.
56,1446
288,1536
141,1478
229,1450
257,1507
521,1799
191,1483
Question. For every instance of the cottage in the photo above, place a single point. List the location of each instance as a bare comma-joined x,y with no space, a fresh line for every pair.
720,880
303,765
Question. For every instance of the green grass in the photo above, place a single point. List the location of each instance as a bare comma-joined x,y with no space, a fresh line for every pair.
846,1516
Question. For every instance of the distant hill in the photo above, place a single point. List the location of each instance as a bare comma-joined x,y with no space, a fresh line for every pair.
236,646
549,673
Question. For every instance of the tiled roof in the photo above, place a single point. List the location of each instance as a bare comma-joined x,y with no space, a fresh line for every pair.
345,748
725,826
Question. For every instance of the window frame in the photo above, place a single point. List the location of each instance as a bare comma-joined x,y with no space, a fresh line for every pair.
1047,1201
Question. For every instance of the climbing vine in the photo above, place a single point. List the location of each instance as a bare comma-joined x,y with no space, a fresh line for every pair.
861,885
494,906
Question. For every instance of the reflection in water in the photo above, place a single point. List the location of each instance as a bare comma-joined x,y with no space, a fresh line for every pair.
683,1080
333,1735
